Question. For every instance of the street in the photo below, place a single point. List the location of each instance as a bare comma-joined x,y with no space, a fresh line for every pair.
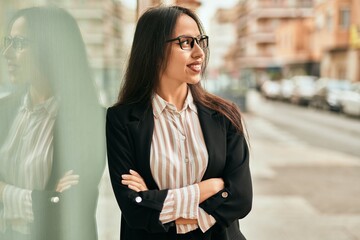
328,130
306,170
306,173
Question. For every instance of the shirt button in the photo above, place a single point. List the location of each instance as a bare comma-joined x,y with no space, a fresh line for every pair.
54,199
138,199
224,194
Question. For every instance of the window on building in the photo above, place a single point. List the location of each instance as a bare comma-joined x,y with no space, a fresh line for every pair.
320,21
328,21
277,3
344,18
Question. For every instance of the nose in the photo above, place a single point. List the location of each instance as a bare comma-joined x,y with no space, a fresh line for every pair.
197,51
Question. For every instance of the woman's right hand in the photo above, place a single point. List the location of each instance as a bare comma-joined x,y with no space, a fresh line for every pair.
134,181
67,181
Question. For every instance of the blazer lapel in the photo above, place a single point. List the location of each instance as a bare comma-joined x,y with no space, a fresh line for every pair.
141,128
215,139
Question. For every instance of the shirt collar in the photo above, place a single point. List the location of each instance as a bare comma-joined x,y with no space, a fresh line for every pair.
50,105
190,102
159,104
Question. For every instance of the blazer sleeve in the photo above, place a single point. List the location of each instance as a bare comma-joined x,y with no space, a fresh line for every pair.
79,145
140,210
235,200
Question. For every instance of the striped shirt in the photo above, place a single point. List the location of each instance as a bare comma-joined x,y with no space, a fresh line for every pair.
178,160
26,162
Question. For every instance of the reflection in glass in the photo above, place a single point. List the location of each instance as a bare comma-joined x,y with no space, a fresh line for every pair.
52,151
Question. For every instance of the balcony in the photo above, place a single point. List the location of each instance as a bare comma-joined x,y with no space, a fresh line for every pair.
355,36
265,13
87,13
285,4
262,37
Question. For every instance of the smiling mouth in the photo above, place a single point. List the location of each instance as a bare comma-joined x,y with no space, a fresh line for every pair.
12,67
195,67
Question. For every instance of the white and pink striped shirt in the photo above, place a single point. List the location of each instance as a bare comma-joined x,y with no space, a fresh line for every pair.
178,160
26,160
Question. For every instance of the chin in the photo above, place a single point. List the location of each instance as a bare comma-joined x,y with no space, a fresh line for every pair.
13,79
16,80
194,81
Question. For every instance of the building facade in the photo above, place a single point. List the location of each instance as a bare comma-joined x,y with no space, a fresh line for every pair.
142,5
257,23
280,39
222,34
339,59
295,49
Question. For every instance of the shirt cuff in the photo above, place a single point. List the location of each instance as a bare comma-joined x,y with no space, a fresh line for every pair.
167,212
187,202
17,203
205,220
181,203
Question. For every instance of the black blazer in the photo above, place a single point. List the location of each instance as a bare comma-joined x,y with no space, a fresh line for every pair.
129,130
79,144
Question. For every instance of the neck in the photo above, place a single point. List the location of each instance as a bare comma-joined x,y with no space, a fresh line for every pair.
174,95
39,95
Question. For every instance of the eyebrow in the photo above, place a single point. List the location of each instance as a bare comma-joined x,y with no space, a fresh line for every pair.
188,35
17,36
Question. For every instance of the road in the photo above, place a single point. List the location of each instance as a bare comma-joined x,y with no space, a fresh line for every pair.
328,130
306,173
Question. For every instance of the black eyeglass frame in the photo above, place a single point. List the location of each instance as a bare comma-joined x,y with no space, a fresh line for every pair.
21,42
192,43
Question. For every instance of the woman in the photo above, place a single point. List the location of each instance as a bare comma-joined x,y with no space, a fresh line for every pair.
53,157
178,159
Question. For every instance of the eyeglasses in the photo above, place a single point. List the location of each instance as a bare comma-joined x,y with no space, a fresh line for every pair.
18,43
187,42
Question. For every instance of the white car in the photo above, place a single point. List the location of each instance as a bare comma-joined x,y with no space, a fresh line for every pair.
304,89
271,89
329,93
286,89
351,101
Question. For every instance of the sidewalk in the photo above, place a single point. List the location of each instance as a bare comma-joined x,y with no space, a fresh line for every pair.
300,191
108,212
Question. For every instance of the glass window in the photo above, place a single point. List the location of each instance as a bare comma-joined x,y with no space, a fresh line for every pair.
345,18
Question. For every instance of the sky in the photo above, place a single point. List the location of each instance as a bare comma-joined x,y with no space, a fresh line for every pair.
205,12
209,4
208,8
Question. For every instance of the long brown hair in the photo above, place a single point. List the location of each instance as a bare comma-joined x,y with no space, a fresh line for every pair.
149,56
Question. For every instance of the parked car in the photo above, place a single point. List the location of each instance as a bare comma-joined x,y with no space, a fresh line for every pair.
350,101
271,89
304,89
328,93
286,89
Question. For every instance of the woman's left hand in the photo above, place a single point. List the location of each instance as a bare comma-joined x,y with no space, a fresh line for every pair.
67,181
134,181
2,187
